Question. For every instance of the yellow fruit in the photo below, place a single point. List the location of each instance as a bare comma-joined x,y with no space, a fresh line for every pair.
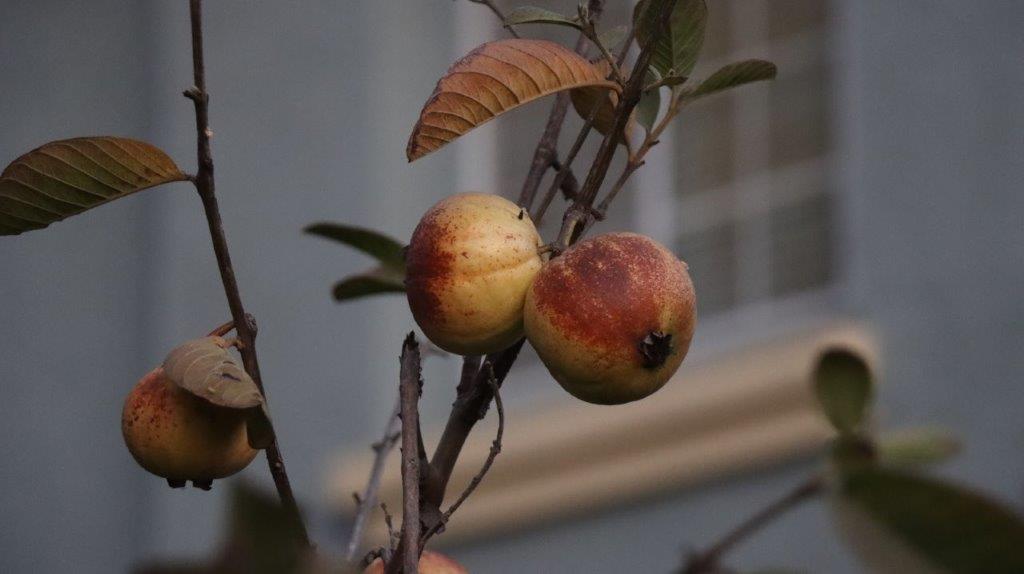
430,563
179,436
612,318
468,266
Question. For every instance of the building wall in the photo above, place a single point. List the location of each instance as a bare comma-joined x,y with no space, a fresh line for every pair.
311,108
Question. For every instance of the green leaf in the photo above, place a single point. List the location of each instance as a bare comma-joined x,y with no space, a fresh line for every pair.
377,245
66,177
916,447
648,108
733,75
947,527
535,15
612,37
377,281
388,277
675,50
843,383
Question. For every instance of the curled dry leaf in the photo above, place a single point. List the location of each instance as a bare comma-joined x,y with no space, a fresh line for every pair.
66,177
584,100
205,368
493,79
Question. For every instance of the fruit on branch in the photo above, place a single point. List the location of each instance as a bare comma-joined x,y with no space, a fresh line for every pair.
430,563
612,318
179,436
469,264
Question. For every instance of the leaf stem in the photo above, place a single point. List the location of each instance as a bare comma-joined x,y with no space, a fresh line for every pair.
368,500
706,562
245,325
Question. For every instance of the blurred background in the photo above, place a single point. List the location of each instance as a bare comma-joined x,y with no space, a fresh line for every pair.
871,193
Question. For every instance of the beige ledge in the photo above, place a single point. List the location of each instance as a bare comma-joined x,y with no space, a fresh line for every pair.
721,416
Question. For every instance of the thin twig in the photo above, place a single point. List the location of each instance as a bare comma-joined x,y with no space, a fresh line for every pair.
493,454
410,385
497,12
245,326
566,167
470,406
565,171
588,27
392,535
707,561
368,500
637,159
223,329
576,217
570,185
546,154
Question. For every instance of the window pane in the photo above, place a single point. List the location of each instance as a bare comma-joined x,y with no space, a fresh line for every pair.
799,116
711,255
802,242
705,143
789,17
717,39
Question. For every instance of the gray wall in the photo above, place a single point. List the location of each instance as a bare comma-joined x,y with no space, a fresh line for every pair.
312,103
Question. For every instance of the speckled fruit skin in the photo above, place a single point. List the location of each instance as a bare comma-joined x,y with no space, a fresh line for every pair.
430,563
469,264
176,435
589,312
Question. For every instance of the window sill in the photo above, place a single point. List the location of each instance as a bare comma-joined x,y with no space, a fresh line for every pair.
721,415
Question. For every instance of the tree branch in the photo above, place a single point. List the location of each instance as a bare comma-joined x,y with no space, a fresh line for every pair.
493,454
410,386
368,500
706,562
577,216
470,406
245,325
546,154
564,173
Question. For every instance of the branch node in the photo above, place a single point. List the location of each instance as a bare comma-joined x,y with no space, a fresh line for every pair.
250,323
196,95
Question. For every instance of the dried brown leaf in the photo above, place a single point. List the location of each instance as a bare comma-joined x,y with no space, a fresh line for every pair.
493,79
205,368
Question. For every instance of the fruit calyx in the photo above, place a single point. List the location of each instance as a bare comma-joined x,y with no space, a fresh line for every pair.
655,349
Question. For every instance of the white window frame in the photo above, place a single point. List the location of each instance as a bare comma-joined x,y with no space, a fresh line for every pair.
755,192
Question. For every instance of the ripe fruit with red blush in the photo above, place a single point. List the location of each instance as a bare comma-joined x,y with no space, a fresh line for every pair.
430,563
179,436
612,318
469,264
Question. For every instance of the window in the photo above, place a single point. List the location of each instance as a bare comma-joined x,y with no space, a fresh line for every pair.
750,180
